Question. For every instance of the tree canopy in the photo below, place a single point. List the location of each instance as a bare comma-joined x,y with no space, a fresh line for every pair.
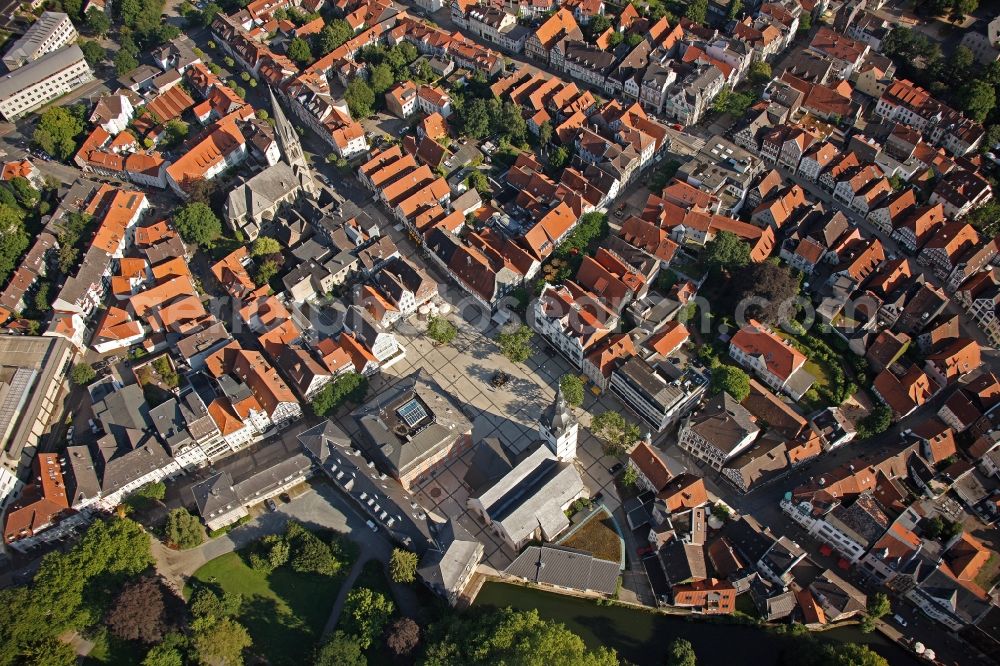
403,636
70,590
572,389
732,380
615,432
197,224
726,252
13,239
681,652
360,99
351,386
183,529
340,650
300,51
507,636
82,374
333,34
441,330
768,290
515,344
265,245
57,131
139,613
365,614
403,566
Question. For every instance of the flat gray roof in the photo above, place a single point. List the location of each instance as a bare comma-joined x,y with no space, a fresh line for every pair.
39,70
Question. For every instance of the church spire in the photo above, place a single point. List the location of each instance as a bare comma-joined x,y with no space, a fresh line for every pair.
558,428
291,147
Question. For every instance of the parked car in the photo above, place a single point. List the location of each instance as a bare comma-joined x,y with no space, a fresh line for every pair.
271,506
285,499
899,620
617,467
643,550
372,525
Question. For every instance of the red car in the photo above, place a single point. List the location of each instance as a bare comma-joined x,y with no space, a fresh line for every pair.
643,550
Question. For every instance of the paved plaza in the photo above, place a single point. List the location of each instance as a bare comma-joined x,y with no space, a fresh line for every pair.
465,369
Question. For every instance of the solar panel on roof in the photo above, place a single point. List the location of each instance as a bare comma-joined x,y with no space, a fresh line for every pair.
412,412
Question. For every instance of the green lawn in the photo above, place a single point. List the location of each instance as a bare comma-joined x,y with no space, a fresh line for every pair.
284,611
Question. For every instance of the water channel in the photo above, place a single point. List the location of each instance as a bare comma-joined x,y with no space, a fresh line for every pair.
643,637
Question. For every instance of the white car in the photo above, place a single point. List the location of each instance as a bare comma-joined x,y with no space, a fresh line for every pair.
372,525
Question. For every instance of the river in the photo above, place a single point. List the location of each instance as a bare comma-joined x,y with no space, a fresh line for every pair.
643,637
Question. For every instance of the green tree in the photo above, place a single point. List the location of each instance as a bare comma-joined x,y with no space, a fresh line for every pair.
630,477
381,79
98,21
876,422
760,70
351,386
169,652
572,389
221,643
125,62
265,272
977,99
697,11
732,380
93,52
265,245
735,8
962,8
365,614
615,432
878,607
805,22
333,34
441,330
82,374
209,13
475,119
177,131
73,8
515,343
986,218
558,158
478,181
726,252
681,652
278,550
299,51
340,650
184,530
591,228
507,636
154,490
197,224
207,607
24,192
545,133
57,131
597,26
633,39
511,122
403,566
360,99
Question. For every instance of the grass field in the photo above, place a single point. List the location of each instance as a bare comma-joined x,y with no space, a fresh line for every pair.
284,611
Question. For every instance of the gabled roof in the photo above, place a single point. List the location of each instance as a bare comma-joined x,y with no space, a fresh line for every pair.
781,358
651,465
